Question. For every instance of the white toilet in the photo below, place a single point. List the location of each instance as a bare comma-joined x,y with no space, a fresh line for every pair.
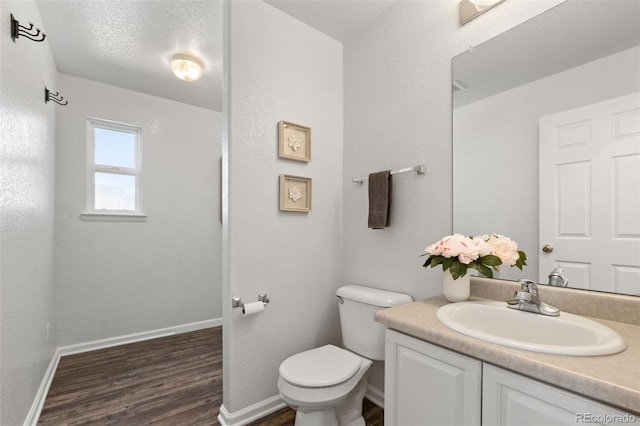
326,385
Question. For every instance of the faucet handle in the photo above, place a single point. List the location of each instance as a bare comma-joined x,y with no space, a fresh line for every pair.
528,286
527,300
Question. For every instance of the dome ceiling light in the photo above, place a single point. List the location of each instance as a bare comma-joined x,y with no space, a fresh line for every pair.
186,67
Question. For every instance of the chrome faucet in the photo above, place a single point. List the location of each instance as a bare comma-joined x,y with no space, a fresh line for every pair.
557,278
527,300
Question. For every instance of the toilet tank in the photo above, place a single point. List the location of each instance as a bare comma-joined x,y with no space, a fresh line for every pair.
360,332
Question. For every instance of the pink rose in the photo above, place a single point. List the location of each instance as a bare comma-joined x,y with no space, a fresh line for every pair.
464,248
504,248
484,248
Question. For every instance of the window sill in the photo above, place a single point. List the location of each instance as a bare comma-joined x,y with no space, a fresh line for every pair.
113,217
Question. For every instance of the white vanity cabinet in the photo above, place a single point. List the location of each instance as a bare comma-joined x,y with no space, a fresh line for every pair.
511,399
428,385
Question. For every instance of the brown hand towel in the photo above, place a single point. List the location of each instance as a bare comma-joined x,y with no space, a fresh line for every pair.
379,199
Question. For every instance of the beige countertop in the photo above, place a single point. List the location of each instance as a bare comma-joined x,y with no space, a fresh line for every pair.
612,379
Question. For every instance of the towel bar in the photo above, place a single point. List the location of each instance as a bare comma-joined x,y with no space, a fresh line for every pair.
421,169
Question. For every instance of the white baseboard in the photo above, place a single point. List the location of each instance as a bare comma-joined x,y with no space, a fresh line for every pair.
137,337
375,395
38,403
250,413
43,390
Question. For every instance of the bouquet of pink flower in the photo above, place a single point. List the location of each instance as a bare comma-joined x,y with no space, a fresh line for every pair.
457,253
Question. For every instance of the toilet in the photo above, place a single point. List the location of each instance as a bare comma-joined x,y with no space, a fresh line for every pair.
326,385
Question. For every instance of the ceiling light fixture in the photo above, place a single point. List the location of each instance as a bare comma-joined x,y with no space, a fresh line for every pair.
484,3
186,67
471,9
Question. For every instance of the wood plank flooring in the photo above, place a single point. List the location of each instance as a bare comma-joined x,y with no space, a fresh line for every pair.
175,380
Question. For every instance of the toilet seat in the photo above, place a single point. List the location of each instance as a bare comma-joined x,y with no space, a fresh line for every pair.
321,367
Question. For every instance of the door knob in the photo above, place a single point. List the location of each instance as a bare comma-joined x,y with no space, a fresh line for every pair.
548,248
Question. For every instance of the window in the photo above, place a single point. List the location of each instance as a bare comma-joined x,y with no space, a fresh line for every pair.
114,181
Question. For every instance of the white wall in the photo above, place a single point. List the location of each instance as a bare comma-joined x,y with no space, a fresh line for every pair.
511,143
397,110
27,290
398,114
280,69
120,278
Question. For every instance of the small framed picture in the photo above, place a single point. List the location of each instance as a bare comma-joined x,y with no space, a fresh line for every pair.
294,141
295,193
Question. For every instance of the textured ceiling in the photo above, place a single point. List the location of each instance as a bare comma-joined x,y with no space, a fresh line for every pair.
128,43
336,18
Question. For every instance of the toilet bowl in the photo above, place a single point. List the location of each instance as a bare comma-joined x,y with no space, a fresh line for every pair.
325,386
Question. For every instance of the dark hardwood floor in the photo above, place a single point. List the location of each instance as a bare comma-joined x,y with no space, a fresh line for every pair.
175,380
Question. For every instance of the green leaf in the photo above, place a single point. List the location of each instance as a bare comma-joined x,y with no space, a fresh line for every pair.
433,261
490,260
463,269
484,270
455,274
458,270
446,263
522,260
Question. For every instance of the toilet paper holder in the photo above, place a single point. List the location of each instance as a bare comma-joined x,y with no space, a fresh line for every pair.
236,302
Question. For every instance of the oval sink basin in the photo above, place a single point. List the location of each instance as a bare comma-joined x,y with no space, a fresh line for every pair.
567,334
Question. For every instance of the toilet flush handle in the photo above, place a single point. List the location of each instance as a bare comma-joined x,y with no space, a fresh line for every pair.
340,299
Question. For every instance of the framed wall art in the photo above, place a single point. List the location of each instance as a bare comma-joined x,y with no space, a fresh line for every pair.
294,141
295,193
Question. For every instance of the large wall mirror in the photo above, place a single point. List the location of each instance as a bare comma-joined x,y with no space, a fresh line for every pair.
546,143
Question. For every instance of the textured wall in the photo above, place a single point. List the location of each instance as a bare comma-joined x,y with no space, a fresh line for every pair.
120,278
398,114
280,69
27,290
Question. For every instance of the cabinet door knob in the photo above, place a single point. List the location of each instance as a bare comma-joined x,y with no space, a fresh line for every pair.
548,248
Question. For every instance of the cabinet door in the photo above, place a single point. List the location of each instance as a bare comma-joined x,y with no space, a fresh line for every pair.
429,385
511,399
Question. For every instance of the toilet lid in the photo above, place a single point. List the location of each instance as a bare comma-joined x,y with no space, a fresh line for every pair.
320,367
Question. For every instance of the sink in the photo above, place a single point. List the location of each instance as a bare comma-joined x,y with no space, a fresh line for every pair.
567,334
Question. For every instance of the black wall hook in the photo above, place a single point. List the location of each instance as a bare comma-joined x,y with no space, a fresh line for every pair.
18,30
53,97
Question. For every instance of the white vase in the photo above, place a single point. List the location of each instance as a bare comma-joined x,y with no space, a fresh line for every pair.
456,290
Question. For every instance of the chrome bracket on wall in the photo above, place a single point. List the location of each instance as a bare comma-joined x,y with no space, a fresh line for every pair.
236,302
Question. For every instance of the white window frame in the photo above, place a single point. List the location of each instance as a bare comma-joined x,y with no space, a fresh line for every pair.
91,213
